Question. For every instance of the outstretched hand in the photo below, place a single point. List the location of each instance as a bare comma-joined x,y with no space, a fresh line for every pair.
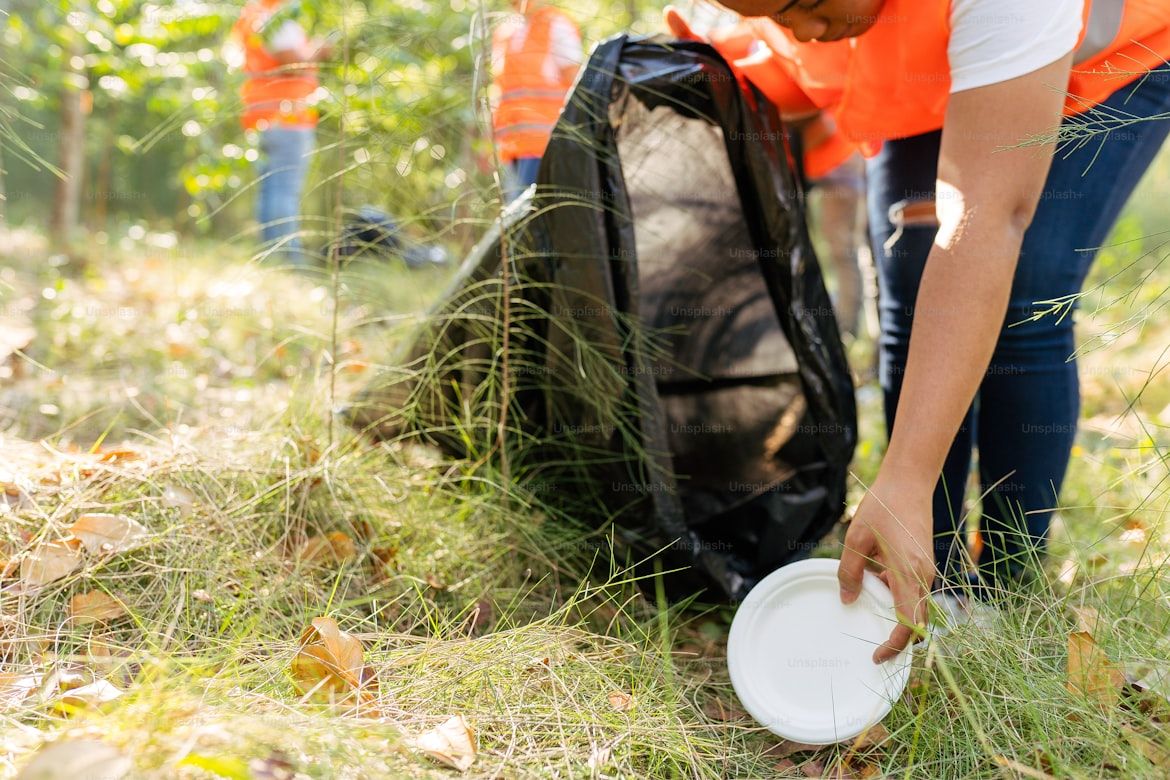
893,529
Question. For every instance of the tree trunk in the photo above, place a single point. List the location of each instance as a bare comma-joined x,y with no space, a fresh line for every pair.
71,155
103,187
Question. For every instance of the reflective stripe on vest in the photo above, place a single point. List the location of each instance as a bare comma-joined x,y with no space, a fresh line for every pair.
1101,28
523,127
540,94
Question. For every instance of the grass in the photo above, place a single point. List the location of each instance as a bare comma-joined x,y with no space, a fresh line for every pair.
189,389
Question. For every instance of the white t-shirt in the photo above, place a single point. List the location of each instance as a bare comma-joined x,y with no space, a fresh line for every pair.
998,40
289,37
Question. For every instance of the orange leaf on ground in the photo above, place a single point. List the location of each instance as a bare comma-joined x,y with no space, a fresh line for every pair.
620,701
1158,753
95,607
1090,672
329,660
451,742
120,454
49,562
335,547
104,534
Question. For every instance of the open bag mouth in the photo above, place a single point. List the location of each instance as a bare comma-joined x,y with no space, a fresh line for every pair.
682,372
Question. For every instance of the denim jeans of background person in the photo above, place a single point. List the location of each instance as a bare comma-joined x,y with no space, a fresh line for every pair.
1024,417
279,60
285,153
518,175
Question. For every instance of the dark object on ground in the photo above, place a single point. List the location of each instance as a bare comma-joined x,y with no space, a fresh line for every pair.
370,229
673,359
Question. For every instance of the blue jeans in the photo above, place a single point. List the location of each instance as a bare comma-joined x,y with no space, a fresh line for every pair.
1024,417
521,173
285,153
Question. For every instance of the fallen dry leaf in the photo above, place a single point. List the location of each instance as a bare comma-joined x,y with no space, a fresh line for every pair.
1146,691
120,454
717,709
434,582
95,606
49,562
102,533
620,701
871,737
451,742
73,759
599,756
1087,618
813,768
96,694
1090,672
15,688
1158,754
786,747
335,547
329,661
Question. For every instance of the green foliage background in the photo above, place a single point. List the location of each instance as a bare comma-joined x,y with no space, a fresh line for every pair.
163,141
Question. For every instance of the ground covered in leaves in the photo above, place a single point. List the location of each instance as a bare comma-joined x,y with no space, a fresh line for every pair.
206,575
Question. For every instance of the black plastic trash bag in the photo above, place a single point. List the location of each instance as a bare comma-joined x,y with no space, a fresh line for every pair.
673,364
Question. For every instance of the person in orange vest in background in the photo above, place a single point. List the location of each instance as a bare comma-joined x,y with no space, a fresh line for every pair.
983,238
279,61
536,53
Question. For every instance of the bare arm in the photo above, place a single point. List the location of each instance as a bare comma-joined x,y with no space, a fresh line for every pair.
985,198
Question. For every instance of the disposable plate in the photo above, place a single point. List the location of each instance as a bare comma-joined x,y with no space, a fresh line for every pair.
801,661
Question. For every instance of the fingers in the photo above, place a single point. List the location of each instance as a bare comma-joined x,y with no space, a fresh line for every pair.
858,546
910,594
899,638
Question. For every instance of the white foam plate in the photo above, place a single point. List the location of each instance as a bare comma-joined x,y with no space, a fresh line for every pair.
801,661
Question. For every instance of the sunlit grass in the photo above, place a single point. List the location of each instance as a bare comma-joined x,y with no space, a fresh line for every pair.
469,595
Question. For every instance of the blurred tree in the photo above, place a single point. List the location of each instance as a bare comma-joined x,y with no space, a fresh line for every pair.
163,143
74,94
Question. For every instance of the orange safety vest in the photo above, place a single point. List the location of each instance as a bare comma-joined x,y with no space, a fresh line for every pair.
529,97
893,81
273,94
